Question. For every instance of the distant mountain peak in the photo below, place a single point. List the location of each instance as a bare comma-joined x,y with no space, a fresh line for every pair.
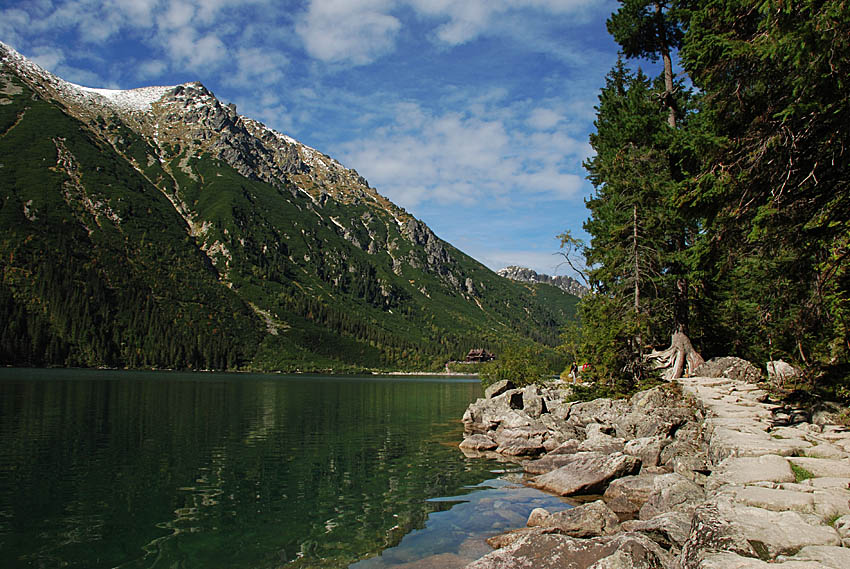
526,275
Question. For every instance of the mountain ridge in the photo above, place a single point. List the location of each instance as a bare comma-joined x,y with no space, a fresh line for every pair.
526,275
318,269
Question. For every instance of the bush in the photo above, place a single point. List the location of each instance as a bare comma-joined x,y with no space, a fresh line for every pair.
522,365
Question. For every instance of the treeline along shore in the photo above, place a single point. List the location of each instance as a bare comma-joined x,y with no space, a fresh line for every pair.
706,472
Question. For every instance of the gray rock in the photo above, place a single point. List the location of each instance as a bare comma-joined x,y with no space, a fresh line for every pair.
647,449
599,439
587,473
779,372
731,367
672,493
746,470
725,560
723,526
478,443
655,412
829,556
546,463
823,467
532,402
669,530
587,520
498,388
552,551
603,411
627,495
567,447
521,447
537,517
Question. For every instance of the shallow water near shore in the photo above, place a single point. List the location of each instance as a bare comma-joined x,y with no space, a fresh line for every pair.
163,469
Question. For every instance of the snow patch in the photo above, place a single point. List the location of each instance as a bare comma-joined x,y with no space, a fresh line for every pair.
129,100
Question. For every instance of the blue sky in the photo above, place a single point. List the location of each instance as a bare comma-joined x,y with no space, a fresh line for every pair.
473,115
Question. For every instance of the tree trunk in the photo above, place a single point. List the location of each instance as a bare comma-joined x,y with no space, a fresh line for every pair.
678,358
669,102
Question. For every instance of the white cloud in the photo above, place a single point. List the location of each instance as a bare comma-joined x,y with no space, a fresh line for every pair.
48,57
12,23
151,68
486,155
256,65
348,31
544,119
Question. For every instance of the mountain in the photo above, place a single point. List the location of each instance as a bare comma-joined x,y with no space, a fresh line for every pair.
525,275
157,227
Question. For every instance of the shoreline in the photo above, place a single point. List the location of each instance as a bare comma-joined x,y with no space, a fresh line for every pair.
703,473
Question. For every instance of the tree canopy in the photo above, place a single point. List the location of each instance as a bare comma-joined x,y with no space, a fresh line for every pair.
733,226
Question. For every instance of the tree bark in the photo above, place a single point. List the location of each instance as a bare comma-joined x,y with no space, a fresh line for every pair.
668,68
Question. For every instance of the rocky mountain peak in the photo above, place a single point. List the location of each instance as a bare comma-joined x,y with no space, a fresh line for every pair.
526,275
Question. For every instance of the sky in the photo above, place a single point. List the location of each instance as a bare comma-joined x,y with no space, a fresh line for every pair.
473,115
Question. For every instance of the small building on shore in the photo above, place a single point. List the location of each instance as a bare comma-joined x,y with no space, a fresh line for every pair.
479,355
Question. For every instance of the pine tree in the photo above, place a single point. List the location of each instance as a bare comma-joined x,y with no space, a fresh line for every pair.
637,234
648,29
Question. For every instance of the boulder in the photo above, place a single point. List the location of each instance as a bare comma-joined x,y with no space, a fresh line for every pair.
669,530
587,473
532,402
587,520
747,470
498,388
827,555
656,412
552,551
602,411
478,443
521,447
730,367
546,463
778,372
626,495
672,493
599,439
647,449
537,517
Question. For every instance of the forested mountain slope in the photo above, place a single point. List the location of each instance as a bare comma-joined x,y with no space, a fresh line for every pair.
159,228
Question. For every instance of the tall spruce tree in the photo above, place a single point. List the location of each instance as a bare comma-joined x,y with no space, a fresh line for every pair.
637,234
651,29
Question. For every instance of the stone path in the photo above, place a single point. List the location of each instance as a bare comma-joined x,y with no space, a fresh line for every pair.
776,497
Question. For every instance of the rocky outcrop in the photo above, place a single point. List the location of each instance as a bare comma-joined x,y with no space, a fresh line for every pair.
700,477
524,275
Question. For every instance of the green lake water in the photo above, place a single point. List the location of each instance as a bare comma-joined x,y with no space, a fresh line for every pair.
102,469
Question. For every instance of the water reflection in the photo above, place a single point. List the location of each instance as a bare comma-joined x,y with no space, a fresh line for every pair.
455,535
139,470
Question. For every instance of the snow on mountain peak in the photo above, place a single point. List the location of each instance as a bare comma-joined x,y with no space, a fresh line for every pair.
129,99
122,99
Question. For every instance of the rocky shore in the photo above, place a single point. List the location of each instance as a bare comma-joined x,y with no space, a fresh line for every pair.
702,473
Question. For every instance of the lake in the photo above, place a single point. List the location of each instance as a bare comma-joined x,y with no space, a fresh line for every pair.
241,471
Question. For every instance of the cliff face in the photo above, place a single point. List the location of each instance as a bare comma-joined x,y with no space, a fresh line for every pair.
524,275
240,245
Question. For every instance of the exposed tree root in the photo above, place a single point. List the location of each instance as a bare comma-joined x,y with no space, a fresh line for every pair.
680,356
